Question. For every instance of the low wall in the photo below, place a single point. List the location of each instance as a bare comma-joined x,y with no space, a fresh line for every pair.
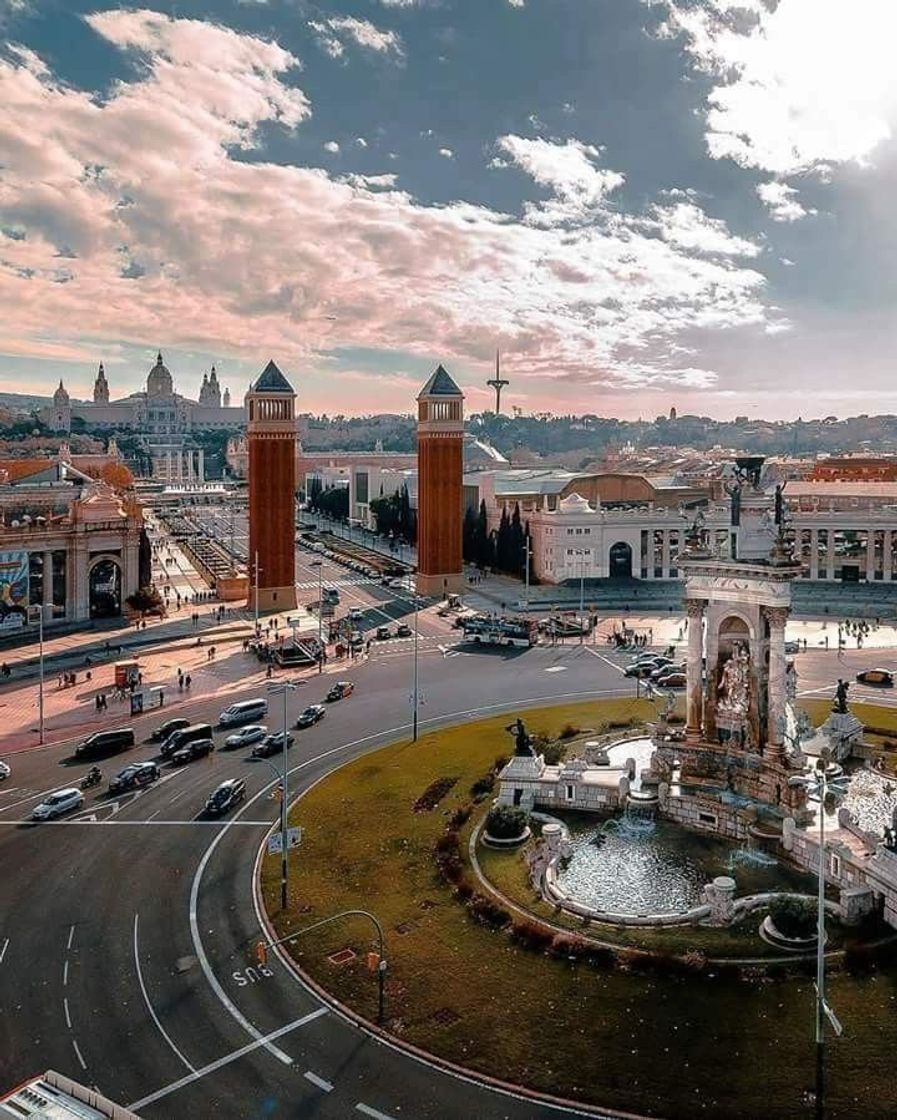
704,814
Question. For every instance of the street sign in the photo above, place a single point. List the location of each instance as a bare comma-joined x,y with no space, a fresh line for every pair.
275,841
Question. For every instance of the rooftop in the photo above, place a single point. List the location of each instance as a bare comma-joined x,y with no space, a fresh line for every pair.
440,384
272,381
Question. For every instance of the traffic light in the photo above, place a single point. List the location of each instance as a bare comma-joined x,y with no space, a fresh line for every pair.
261,952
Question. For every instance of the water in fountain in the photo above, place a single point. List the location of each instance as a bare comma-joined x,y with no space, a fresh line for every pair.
749,854
637,820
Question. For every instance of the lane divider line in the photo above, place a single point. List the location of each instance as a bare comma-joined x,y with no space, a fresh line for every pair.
149,1005
79,1054
323,1085
263,1040
366,1110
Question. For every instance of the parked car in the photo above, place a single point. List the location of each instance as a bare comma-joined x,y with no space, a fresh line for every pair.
356,614
226,796
640,669
792,647
340,691
196,748
162,732
672,680
404,630
135,776
62,801
271,744
312,715
881,677
664,670
246,735
5,770
244,711
383,633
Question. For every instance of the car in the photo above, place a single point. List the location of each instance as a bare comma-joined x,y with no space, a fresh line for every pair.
196,748
106,742
340,691
404,630
178,739
5,770
398,584
383,633
640,669
164,730
312,715
244,711
226,796
663,670
135,776
271,744
356,614
246,735
792,647
62,801
672,680
881,677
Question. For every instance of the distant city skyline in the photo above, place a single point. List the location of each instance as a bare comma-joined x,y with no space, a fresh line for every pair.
642,203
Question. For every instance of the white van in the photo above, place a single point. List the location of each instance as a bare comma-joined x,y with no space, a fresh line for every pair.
244,711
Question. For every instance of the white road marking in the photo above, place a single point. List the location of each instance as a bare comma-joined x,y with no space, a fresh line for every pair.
323,1085
366,1110
65,973
65,1007
3,950
78,1052
177,795
153,816
71,938
127,823
262,1040
556,669
606,660
149,1005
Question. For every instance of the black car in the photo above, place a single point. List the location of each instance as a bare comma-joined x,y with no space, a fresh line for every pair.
196,748
271,744
162,733
226,796
383,633
404,631
311,715
135,776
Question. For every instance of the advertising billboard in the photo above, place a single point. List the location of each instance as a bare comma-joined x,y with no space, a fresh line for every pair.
13,589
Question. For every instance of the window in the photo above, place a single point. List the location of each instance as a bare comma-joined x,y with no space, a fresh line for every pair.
570,793
834,866
707,818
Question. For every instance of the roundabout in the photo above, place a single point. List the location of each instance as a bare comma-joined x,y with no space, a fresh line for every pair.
485,977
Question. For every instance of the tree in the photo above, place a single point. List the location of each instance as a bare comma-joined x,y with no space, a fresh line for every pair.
147,600
117,476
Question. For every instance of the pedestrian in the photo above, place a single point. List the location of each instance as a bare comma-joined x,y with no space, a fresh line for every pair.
96,702
87,675
187,682
269,672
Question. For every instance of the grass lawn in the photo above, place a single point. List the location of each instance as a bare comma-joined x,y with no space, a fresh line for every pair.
665,1046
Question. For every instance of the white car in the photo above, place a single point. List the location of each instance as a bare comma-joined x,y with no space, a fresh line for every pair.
5,770
62,801
398,584
246,735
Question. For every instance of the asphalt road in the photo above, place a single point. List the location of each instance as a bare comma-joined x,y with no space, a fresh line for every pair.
125,939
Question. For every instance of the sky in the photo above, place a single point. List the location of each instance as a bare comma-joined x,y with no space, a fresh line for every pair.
641,203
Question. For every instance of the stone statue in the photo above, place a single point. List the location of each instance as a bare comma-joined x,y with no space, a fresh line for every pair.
523,743
790,682
839,704
780,504
697,535
734,491
734,692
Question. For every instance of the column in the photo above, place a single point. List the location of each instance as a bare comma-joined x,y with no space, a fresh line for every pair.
48,584
168,475
814,554
775,726
202,465
694,609
870,555
830,553
665,561
886,555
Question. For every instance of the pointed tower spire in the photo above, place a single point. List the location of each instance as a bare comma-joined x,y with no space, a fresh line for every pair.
497,383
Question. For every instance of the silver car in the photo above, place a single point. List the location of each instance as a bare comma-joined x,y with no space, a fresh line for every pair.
246,735
62,801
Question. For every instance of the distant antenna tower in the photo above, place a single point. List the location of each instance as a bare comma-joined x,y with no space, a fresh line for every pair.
497,383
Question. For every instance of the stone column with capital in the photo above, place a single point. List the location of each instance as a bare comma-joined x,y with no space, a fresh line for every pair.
814,554
665,560
775,726
693,668
887,545
48,584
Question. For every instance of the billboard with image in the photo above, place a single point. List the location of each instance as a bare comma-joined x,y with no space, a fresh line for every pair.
13,589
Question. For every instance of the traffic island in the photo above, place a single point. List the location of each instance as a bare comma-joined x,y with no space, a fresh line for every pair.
390,833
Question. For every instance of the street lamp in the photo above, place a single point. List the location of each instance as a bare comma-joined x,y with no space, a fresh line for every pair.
319,564
527,553
255,569
821,786
283,689
38,611
415,695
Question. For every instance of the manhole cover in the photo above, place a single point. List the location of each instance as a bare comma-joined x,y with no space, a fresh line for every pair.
342,957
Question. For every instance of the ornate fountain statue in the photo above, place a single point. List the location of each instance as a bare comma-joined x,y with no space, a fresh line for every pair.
839,703
734,693
523,741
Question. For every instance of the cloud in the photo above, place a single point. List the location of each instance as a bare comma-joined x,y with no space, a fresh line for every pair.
447,153
782,202
361,142
243,257
332,35
331,146
800,84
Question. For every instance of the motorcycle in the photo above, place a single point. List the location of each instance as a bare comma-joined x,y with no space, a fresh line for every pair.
91,778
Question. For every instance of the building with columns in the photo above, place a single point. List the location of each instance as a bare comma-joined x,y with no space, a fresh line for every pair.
271,432
440,485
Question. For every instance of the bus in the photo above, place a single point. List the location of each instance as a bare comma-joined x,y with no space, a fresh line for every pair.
491,630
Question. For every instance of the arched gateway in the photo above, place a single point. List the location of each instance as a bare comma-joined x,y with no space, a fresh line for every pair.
620,561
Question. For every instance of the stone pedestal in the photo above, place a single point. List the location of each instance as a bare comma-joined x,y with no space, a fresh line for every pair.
720,897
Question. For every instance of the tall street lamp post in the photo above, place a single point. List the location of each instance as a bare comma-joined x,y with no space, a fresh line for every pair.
283,689
821,786
319,564
255,571
415,694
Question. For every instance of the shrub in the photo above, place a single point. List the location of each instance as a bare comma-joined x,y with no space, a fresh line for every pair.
568,731
488,913
459,817
448,842
500,763
433,794
505,822
793,916
554,753
464,889
530,935
482,787
566,945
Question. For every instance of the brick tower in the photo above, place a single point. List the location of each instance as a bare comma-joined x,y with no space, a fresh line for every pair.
440,468
271,429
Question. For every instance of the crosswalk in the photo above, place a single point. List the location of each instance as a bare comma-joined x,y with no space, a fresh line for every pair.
358,581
